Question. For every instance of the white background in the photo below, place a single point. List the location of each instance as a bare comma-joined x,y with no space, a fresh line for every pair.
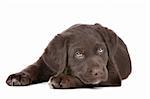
26,27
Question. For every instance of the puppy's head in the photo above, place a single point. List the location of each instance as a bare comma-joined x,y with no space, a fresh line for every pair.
88,57
85,51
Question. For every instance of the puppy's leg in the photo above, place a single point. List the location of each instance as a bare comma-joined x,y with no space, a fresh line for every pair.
35,73
65,82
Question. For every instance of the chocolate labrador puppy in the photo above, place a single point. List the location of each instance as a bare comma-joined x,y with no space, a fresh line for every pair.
81,56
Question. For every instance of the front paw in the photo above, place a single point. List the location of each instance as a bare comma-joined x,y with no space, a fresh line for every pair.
18,79
61,82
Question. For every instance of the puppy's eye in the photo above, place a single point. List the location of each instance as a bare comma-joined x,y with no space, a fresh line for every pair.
100,51
79,55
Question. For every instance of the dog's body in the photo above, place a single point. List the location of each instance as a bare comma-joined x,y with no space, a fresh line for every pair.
81,56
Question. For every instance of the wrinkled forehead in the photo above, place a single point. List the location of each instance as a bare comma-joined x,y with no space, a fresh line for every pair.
85,41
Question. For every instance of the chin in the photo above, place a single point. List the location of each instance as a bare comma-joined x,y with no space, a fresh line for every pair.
89,81
96,82
92,82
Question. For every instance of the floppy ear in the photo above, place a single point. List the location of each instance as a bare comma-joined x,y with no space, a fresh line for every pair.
55,55
111,41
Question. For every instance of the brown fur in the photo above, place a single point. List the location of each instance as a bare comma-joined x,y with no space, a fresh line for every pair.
81,56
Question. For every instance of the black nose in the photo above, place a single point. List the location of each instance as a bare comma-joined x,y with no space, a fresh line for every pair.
96,72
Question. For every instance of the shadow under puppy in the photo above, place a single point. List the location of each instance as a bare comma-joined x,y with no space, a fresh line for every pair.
81,56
